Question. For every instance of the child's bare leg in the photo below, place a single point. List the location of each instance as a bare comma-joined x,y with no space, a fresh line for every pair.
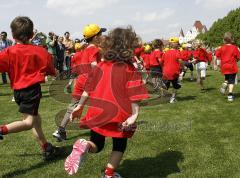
19,126
37,130
115,159
230,88
92,147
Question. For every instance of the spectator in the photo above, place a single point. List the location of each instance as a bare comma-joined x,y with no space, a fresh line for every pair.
60,50
51,46
39,39
69,44
4,43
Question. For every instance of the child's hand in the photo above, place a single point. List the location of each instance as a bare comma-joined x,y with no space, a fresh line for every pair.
76,113
129,124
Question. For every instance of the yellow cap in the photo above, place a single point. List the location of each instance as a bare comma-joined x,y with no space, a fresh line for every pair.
92,30
165,49
184,45
77,46
174,40
147,48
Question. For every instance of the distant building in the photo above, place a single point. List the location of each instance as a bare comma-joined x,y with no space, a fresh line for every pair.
197,28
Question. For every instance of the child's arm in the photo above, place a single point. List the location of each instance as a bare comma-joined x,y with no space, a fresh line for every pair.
77,112
50,70
4,61
132,119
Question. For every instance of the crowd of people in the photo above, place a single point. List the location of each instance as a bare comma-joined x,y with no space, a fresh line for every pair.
110,71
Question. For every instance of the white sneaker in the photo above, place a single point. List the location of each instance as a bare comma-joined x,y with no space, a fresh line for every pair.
13,99
230,98
172,100
223,88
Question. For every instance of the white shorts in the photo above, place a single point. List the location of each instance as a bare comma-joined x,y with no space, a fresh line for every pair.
201,69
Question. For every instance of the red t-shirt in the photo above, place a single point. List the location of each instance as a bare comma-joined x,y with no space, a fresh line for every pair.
155,58
170,64
146,60
82,66
201,55
26,65
86,56
112,87
210,56
228,54
186,55
138,51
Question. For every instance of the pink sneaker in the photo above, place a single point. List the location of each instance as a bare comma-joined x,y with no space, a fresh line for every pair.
73,161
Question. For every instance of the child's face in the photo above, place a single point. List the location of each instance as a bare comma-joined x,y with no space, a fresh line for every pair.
60,39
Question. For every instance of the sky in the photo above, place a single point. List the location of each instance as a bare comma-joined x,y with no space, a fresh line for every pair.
150,18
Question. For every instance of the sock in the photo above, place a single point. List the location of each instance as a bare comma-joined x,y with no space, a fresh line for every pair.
230,94
61,129
109,171
4,130
45,146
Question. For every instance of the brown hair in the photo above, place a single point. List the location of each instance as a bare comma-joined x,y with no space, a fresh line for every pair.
120,43
157,44
22,29
228,38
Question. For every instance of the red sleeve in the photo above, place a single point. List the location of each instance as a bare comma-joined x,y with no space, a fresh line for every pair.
94,55
76,59
218,53
93,79
195,54
237,53
50,70
136,90
4,61
178,55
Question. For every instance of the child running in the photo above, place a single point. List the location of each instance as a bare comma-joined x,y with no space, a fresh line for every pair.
27,65
82,63
155,67
186,55
228,54
171,64
114,89
201,59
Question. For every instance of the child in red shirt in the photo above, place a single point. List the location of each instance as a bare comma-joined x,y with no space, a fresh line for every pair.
171,64
186,56
145,57
155,67
82,64
201,58
229,54
113,91
27,65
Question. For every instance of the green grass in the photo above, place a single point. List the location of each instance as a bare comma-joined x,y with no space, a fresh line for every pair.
199,136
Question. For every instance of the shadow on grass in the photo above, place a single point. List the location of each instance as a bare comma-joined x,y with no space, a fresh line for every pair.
186,98
161,166
210,89
63,152
85,134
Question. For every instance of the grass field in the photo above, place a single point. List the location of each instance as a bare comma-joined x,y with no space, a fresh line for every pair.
199,136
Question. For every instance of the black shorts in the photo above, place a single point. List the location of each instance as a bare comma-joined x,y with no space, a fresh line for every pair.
119,144
189,65
28,99
156,71
176,85
230,78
